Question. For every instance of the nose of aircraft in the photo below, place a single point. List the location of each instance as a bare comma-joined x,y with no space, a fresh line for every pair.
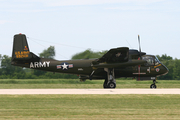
165,70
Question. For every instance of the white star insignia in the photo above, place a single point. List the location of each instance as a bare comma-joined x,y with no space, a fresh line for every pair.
65,66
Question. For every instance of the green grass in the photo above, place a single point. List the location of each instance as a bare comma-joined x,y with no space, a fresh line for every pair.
88,107
96,107
75,83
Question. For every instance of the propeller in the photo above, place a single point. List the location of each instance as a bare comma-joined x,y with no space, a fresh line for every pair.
139,66
139,47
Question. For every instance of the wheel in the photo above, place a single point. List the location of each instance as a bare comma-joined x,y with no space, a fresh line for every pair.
111,85
153,86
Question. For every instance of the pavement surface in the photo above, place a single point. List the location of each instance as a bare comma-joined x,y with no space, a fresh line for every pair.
88,91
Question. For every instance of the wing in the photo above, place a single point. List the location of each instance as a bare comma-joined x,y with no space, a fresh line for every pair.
117,65
115,55
118,57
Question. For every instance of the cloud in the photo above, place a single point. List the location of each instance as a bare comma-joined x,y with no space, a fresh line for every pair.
20,6
92,2
4,21
127,8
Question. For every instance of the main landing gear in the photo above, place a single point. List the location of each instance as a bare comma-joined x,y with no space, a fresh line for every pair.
110,81
153,86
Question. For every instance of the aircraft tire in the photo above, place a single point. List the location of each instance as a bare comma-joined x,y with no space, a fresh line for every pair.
111,85
153,86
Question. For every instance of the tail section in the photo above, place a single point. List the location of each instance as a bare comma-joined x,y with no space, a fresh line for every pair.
21,53
20,48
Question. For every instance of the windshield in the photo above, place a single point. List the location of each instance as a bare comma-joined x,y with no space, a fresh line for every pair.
149,59
156,61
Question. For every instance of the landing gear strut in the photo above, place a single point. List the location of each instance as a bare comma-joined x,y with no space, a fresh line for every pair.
110,81
153,86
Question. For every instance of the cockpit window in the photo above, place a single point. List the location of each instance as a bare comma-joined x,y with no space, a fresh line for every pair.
156,61
149,59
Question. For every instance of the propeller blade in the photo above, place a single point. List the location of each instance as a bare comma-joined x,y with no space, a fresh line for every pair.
139,47
139,44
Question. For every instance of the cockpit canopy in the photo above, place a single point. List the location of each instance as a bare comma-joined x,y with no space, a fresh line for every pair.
151,60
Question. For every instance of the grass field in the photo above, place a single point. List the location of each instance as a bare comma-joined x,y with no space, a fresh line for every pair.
75,83
90,107
87,107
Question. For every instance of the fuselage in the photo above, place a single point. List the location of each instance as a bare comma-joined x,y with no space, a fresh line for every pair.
152,68
116,63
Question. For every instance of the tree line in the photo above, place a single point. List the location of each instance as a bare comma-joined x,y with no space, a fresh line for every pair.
7,71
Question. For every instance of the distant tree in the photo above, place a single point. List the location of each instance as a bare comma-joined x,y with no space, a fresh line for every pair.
13,72
176,69
9,70
164,57
48,53
0,65
88,54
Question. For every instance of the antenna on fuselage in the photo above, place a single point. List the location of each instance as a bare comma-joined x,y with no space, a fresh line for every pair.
128,43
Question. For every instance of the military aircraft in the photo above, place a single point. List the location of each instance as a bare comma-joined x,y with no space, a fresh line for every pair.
116,63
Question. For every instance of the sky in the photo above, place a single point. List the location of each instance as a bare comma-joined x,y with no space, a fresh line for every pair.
73,26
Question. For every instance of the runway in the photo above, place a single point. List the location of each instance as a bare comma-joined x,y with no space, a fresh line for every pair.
87,91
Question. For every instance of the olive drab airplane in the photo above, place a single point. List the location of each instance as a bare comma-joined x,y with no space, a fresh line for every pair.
116,63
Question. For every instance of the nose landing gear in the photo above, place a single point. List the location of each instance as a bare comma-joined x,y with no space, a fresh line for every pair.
153,86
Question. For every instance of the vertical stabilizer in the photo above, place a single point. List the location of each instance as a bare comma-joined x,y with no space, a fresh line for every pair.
20,48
